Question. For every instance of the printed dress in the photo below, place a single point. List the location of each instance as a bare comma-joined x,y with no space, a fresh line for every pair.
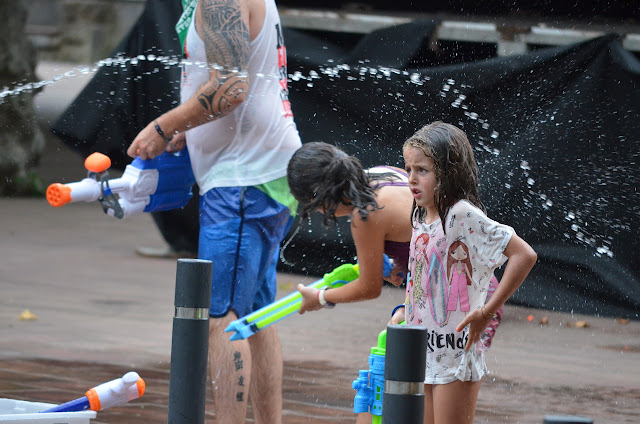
449,275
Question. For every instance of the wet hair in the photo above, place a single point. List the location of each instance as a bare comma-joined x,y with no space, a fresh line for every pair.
321,176
454,163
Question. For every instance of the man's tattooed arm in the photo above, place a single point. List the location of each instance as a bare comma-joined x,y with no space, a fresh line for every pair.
226,39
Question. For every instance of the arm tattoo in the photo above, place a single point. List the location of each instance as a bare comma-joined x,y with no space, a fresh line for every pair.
216,95
226,39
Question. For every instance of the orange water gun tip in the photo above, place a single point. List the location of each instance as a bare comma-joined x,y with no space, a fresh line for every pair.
58,195
141,386
97,162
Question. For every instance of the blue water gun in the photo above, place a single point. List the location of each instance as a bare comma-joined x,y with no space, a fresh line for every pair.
249,325
162,183
369,385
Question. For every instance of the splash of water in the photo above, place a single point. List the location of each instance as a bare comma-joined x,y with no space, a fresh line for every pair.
486,142
452,91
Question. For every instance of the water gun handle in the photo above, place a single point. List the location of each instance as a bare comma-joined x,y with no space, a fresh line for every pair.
113,393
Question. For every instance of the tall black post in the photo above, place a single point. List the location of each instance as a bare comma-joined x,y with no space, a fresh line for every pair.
404,368
190,342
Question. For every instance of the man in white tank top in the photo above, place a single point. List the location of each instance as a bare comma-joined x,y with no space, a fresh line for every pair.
236,120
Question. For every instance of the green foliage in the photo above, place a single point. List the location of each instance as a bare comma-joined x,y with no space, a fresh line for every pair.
30,184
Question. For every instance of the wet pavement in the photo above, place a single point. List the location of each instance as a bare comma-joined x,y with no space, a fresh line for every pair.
102,311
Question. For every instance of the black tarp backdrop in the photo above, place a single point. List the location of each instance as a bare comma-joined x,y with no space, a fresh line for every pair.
555,132
591,11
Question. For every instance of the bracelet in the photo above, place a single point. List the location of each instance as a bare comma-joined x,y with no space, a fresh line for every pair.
491,314
321,299
396,308
164,137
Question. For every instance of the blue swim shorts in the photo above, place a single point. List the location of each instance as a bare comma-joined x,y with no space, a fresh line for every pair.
241,229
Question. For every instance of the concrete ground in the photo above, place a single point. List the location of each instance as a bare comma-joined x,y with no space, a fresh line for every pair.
102,311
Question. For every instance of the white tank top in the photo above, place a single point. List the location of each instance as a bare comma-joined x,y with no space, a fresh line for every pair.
253,144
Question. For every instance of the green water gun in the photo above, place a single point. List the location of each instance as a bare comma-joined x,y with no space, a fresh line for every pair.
249,325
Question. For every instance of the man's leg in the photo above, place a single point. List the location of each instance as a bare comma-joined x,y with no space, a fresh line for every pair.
230,368
266,381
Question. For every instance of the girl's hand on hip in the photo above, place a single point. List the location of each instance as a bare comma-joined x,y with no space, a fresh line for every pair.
477,323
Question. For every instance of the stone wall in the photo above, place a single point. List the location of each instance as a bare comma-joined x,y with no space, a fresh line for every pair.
21,140
79,31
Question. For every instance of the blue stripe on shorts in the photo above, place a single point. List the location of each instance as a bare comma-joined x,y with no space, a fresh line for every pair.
241,229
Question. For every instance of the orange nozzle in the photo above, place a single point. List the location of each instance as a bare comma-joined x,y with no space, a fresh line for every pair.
94,399
97,162
58,195
141,386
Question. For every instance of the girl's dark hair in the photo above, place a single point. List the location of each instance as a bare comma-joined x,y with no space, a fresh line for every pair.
321,176
455,167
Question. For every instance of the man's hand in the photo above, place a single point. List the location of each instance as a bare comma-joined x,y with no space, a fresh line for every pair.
177,144
148,143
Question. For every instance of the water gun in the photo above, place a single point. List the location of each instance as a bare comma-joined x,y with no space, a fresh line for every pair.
151,185
369,385
250,324
113,393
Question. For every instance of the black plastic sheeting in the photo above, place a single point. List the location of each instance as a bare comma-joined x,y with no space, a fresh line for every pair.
569,10
556,135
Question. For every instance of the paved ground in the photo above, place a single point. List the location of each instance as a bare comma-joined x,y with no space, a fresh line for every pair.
102,311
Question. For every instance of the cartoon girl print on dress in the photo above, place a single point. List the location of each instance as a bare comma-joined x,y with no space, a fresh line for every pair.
459,275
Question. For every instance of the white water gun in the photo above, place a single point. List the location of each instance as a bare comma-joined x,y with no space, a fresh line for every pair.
113,393
152,185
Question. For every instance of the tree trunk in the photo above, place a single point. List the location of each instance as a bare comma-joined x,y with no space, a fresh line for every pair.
21,140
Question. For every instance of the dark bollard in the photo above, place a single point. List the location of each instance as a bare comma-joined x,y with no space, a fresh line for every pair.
404,368
566,419
190,342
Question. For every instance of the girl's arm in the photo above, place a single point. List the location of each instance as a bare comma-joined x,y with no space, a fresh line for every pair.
521,259
369,238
